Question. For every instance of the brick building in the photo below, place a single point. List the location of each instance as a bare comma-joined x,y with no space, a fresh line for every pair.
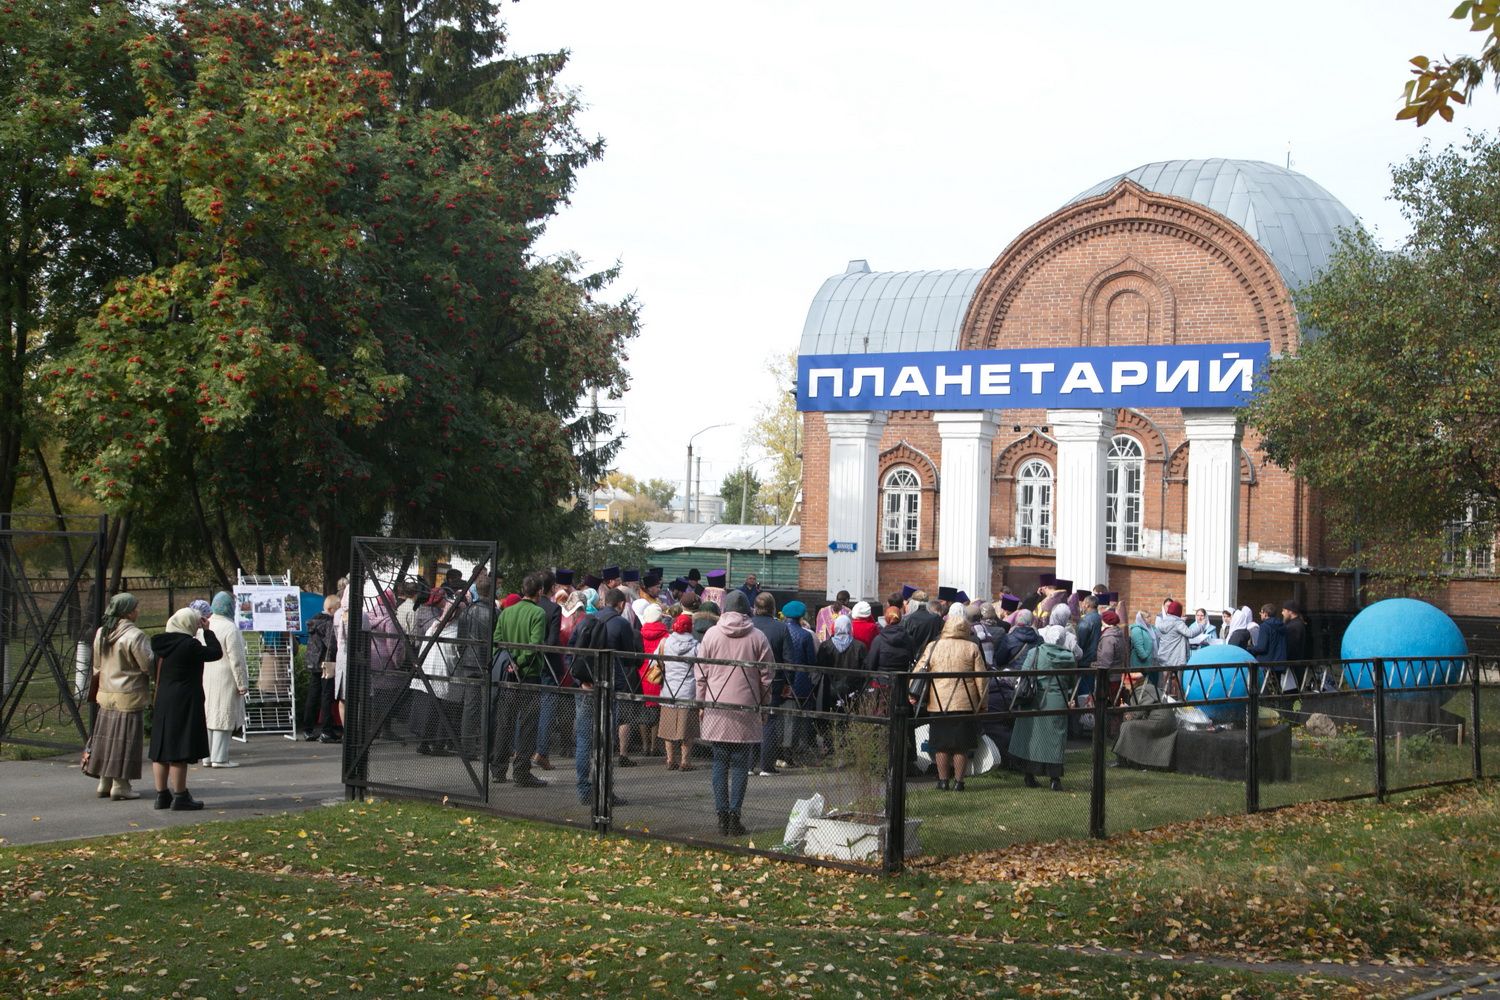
1181,252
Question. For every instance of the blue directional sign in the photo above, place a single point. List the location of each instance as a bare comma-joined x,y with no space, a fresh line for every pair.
843,546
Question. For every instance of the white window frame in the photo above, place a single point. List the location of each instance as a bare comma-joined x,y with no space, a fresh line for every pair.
901,510
1034,488
1469,544
1124,496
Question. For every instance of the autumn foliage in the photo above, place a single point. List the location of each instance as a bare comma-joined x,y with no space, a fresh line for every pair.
345,327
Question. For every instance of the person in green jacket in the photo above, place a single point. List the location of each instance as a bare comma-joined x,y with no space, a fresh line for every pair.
515,711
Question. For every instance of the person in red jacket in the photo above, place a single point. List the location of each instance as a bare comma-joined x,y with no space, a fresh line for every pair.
653,631
865,629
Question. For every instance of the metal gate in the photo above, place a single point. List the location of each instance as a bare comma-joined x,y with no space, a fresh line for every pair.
416,685
50,603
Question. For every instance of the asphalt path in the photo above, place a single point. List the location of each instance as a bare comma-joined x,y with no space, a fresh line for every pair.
51,799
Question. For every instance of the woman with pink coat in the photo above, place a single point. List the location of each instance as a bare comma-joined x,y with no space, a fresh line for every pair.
733,732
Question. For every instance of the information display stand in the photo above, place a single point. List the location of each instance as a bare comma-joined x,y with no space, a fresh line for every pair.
268,611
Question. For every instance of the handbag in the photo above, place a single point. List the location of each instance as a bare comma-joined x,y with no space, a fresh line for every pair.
654,673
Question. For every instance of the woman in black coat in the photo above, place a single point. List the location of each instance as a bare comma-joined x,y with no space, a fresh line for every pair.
179,729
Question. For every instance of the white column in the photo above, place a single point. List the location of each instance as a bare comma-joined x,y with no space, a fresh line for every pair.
1213,508
964,503
1078,527
853,501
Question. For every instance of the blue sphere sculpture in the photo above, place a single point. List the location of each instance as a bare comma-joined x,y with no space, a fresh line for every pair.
1217,671
1412,637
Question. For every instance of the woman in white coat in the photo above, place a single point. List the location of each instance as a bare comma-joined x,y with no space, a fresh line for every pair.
225,682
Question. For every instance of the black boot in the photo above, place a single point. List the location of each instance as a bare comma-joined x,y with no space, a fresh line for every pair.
183,801
735,827
724,823
942,784
1030,780
1057,784
164,799
958,786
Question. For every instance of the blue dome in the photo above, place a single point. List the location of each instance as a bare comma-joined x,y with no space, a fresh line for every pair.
1217,671
1412,637
1290,215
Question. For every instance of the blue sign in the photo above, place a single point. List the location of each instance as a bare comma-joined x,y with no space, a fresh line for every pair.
1184,376
843,546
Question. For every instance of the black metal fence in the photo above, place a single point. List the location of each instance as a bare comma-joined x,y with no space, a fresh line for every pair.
49,605
837,767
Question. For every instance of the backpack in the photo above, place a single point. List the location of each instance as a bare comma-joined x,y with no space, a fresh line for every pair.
1043,656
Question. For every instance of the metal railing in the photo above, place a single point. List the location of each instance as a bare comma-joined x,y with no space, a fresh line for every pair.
845,741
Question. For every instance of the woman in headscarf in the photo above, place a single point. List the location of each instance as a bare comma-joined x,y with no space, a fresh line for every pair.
679,723
122,659
1056,630
388,658
435,705
842,657
1113,652
951,702
179,730
341,633
1242,628
1038,743
1147,737
1143,646
225,682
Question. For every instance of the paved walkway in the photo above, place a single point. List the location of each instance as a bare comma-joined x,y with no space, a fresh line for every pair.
43,800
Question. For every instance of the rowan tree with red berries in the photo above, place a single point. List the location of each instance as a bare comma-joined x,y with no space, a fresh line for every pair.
346,328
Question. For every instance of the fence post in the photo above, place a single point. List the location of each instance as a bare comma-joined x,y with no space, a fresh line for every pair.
356,755
1379,681
1476,740
1252,738
1101,733
895,781
99,569
604,740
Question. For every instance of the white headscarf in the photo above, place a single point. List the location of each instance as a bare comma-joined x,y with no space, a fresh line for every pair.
1241,620
862,609
1060,615
185,622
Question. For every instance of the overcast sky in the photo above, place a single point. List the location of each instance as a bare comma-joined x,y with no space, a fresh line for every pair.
754,149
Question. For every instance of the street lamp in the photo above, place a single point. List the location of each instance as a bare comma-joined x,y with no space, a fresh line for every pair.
745,486
687,483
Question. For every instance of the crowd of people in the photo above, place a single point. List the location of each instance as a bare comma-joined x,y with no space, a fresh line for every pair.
657,643
193,676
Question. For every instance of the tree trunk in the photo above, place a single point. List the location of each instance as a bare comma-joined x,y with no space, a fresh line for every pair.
203,528
117,557
229,548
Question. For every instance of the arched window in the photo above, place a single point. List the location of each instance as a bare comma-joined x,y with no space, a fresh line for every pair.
1034,504
1123,490
902,503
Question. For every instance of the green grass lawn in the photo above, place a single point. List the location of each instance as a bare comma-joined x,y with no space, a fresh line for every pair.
392,898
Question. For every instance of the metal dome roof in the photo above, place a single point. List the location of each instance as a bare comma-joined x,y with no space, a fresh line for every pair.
1290,215
872,312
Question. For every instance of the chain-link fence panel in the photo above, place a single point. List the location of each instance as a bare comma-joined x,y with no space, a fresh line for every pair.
49,608
413,655
772,757
1428,723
